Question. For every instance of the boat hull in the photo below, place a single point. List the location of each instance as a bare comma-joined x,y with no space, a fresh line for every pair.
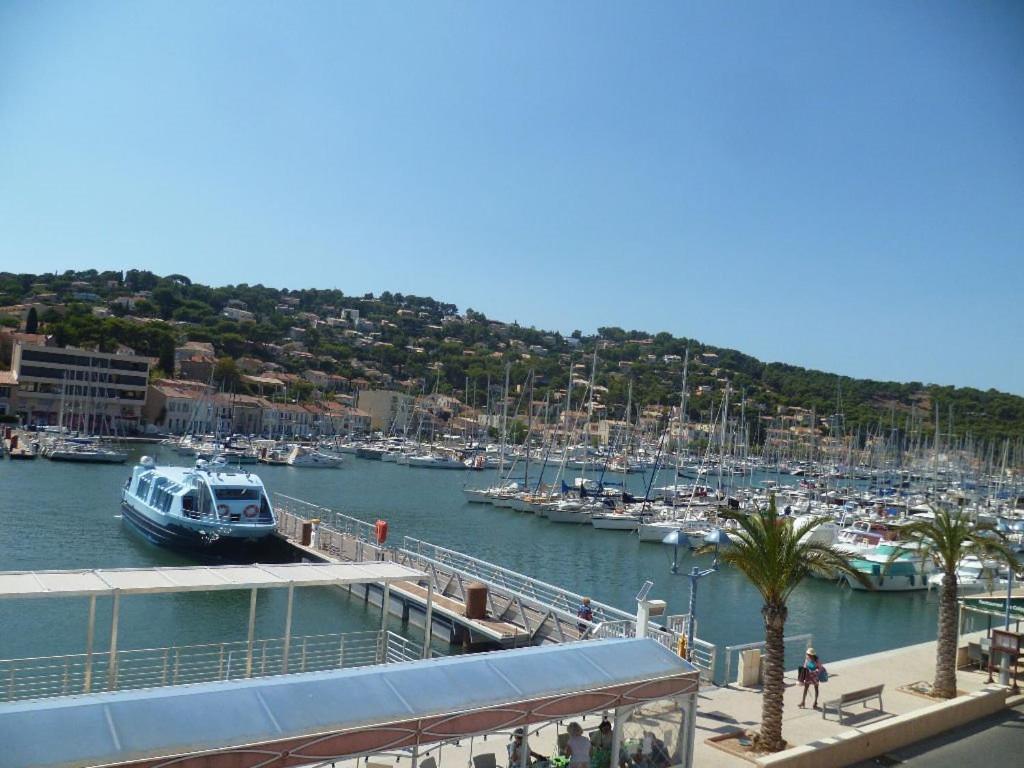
572,517
915,583
88,458
190,540
614,522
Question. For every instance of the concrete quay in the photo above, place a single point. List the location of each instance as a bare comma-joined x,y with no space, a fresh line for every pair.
866,732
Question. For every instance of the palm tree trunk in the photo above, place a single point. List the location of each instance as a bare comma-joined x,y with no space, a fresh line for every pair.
945,655
774,663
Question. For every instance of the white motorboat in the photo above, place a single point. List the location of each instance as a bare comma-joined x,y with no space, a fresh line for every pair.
433,461
975,575
892,568
305,457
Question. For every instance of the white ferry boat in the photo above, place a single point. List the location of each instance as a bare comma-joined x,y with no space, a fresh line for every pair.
210,507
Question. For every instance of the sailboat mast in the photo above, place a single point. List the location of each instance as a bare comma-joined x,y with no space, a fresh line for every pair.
529,431
721,448
504,420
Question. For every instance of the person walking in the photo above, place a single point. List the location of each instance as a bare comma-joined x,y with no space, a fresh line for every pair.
810,673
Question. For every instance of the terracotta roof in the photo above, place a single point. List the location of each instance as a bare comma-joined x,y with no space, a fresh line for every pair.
169,390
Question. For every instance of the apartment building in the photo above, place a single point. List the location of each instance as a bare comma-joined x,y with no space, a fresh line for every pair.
79,388
8,390
387,408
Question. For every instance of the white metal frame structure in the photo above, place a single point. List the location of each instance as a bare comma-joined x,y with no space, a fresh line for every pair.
302,720
136,581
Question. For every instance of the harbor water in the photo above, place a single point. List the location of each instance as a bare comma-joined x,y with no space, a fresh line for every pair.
63,516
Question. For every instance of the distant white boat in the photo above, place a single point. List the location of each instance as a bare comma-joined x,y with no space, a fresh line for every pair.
433,461
305,457
84,453
615,521
975,575
567,512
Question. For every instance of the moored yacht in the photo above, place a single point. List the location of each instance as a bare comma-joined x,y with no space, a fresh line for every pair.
300,456
205,508
893,567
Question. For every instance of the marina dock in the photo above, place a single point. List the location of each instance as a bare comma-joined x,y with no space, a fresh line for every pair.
520,610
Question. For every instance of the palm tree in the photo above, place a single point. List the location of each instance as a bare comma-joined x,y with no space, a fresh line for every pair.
776,555
946,539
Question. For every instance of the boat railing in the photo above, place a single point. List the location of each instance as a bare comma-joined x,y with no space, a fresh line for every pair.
50,676
336,521
804,640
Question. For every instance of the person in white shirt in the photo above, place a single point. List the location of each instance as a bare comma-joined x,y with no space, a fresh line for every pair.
578,747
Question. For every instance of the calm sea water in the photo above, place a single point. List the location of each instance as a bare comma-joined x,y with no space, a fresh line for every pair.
59,516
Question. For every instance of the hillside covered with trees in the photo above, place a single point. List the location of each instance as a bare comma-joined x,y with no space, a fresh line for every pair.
423,345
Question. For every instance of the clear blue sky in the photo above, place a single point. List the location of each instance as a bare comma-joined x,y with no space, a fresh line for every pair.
836,185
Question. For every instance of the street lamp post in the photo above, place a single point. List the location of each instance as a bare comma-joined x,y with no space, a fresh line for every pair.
718,537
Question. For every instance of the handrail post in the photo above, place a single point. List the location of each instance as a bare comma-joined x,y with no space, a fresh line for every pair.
250,638
288,629
89,637
112,660
428,619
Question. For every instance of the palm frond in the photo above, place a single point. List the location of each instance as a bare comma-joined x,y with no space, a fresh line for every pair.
776,555
951,536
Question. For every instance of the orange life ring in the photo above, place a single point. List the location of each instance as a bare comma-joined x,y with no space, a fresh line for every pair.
252,510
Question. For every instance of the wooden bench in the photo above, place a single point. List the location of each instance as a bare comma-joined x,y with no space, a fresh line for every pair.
862,696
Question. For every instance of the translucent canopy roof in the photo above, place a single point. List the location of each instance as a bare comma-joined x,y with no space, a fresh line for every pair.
198,578
343,711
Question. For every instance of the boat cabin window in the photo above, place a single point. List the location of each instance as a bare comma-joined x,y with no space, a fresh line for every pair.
265,512
163,494
142,489
237,494
205,498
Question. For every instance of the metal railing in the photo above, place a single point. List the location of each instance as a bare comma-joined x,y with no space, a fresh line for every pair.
525,587
807,639
702,655
49,676
336,521
545,611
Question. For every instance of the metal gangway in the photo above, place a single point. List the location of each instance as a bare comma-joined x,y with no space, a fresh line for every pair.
545,613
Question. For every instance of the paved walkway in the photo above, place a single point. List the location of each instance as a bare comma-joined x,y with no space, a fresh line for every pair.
721,710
